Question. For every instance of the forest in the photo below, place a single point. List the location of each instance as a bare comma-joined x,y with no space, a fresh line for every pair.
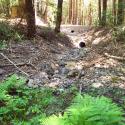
62,62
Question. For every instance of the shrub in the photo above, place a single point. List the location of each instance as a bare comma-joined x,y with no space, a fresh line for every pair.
118,34
7,32
89,110
21,104
3,44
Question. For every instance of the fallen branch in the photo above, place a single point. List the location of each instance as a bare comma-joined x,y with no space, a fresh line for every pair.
19,64
115,57
14,64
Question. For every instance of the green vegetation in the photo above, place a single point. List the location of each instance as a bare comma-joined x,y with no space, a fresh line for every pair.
92,97
87,110
7,32
118,34
3,44
21,105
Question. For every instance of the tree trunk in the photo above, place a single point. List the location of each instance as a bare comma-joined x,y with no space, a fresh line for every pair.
90,15
35,8
8,8
114,12
104,12
80,12
45,15
70,11
120,14
30,18
59,16
73,9
99,11
76,11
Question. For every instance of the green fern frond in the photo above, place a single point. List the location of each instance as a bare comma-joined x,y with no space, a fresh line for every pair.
87,110
54,120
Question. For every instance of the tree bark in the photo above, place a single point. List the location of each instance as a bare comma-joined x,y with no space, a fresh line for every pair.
46,12
30,18
59,16
90,15
114,12
104,12
70,11
120,14
99,11
8,8
76,11
80,12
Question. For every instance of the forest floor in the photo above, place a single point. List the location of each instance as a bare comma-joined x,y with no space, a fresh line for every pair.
55,60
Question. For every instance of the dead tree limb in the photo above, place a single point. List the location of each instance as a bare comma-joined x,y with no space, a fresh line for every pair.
14,64
19,64
114,57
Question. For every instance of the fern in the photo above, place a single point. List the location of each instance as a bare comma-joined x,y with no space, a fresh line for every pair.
22,105
12,82
89,110
54,120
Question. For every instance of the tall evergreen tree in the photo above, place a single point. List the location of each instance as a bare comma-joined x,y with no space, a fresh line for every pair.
120,14
70,11
114,12
99,11
104,12
59,16
30,18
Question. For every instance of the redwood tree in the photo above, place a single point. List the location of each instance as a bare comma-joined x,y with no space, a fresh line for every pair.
104,12
114,12
30,18
70,11
120,14
59,16
99,11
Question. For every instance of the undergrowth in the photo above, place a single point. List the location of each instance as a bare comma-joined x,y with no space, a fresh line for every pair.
7,32
87,110
21,105
118,34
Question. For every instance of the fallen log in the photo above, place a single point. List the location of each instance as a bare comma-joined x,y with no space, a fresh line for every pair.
114,57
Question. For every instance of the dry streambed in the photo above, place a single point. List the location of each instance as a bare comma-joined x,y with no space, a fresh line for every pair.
60,67
82,67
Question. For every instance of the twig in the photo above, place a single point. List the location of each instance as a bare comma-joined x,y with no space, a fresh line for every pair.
115,57
14,64
20,64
